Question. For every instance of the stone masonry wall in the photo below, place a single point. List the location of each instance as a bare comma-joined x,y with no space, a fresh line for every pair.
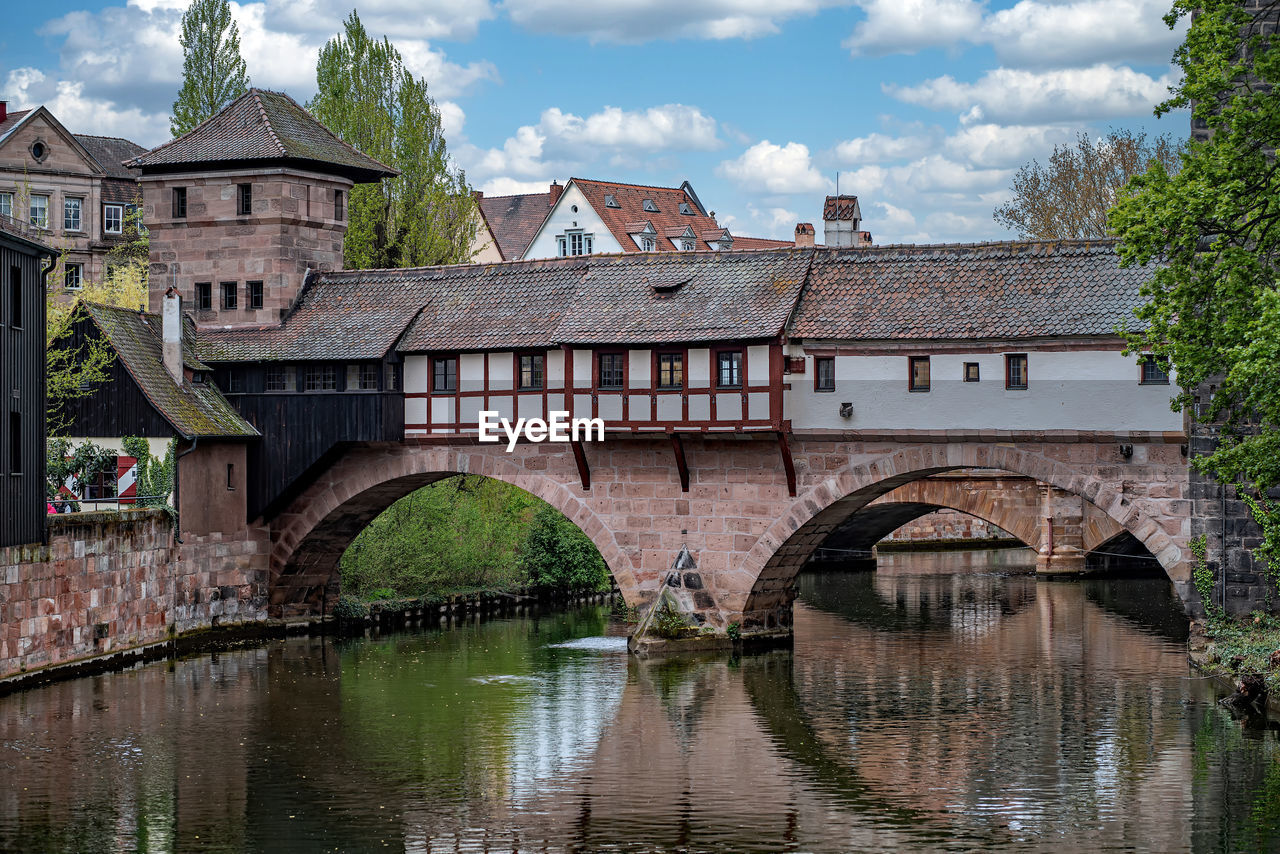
946,525
108,581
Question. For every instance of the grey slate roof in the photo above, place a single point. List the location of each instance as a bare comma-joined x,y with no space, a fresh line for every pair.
967,291
514,220
959,291
259,126
192,409
111,152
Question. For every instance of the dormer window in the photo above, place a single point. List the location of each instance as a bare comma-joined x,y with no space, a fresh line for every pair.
685,209
574,243
686,245
610,201
650,206
646,243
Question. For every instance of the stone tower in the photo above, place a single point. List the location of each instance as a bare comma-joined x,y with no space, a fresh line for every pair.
240,208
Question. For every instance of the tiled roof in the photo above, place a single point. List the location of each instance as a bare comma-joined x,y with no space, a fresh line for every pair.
959,291
514,220
118,192
263,125
630,210
841,208
193,409
717,296
111,152
16,229
11,120
761,243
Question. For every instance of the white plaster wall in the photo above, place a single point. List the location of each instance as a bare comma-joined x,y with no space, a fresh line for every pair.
563,217
639,408
157,445
670,407
638,368
555,369
1082,390
442,410
610,408
502,371
699,367
699,407
582,367
415,410
471,371
757,365
582,403
416,375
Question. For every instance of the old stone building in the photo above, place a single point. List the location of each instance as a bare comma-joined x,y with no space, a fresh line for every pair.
73,187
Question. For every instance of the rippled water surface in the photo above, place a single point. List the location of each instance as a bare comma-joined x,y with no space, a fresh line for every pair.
918,712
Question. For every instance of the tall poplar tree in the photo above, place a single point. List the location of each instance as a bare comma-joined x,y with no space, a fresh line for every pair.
213,71
367,97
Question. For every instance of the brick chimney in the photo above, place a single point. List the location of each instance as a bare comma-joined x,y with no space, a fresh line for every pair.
171,334
4,110
556,190
804,235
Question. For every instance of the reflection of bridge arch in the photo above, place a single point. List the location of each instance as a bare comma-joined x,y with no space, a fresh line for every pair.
781,552
310,536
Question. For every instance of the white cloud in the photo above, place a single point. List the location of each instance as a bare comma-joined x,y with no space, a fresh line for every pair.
907,26
775,169
29,87
420,19
512,187
881,148
1037,33
563,143
1000,145
1005,95
895,219
629,21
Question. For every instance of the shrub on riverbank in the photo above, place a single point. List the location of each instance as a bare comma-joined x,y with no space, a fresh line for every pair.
469,533
1251,645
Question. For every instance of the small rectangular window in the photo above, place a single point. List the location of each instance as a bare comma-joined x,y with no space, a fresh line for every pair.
531,370
729,369
180,202
444,374
230,296
368,377
255,294
670,370
15,443
204,296
6,204
918,380
1155,370
824,373
278,378
611,375
71,210
113,219
38,210
393,377
244,199
971,372
231,477
321,378
235,383
561,246
73,277
15,296
1015,370
339,206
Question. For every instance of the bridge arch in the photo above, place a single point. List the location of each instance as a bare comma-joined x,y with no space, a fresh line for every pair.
779,554
309,538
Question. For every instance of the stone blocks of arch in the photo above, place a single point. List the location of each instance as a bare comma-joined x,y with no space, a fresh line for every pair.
747,534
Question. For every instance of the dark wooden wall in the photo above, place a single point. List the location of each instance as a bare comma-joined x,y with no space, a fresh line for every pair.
115,408
303,432
22,366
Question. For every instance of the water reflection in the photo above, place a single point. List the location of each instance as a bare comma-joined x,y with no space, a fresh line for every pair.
917,712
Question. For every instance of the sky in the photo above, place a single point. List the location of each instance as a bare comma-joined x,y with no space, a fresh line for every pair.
924,109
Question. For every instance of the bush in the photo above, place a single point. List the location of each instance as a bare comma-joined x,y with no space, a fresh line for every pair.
557,554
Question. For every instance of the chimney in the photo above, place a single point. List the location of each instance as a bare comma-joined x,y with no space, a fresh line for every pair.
804,235
4,110
556,190
172,334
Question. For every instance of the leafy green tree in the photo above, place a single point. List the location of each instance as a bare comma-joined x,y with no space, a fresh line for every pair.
558,554
1213,230
367,97
155,476
1070,196
80,464
213,71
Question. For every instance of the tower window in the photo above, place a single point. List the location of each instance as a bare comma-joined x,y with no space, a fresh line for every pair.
244,199
180,202
339,206
204,296
230,296
15,443
255,294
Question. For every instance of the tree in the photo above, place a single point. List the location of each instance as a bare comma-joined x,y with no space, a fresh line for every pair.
557,554
1070,197
213,71
1213,230
367,97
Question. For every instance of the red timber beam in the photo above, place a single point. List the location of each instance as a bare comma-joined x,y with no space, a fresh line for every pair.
584,470
681,465
788,463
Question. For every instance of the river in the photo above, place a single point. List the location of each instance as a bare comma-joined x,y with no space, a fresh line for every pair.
920,710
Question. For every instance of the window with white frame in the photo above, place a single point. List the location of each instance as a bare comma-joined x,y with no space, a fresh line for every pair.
686,245
646,243
71,210
113,219
38,211
574,243
73,277
6,204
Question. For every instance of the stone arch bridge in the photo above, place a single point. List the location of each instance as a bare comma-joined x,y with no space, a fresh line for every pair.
730,501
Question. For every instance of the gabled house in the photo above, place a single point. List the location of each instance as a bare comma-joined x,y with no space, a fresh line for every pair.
73,188
508,223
